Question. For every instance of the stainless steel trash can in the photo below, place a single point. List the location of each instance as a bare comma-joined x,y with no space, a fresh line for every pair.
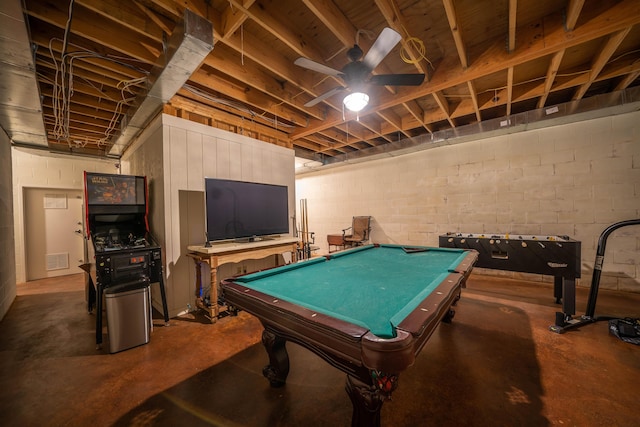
128,316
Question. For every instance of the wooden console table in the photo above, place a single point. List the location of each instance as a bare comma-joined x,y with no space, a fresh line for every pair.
223,253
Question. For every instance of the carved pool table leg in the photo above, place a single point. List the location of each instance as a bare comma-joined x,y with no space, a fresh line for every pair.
278,368
367,399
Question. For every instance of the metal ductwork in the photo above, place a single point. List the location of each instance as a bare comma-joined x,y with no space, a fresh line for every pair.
20,107
188,46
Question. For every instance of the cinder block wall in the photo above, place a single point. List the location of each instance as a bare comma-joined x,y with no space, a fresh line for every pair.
573,179
41,169
7,261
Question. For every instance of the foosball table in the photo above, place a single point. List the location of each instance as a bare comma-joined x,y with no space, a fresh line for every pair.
557,256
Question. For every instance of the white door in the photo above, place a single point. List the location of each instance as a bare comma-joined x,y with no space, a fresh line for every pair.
54,242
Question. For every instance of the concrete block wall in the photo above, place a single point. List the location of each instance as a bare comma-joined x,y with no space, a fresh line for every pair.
41,169
7,261
574,179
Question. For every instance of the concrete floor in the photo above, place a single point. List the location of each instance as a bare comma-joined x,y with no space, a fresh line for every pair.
497,364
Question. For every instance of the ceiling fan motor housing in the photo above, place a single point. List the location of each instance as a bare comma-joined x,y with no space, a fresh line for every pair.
355,73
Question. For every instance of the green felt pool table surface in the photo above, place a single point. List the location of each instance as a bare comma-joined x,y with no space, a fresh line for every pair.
374,286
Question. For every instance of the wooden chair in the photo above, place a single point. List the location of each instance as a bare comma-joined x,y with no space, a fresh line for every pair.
360,230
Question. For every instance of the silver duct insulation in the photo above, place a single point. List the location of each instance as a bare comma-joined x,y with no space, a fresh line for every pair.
20,108
188,46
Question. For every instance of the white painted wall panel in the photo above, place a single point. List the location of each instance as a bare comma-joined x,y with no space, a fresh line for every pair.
195,165
191,152
209,157
223,162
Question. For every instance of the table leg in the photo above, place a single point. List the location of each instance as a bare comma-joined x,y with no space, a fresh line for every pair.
214,292
569,296
557,288
367,398
278,368
198,277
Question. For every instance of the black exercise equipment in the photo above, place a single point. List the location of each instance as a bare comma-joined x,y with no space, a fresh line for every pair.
564,323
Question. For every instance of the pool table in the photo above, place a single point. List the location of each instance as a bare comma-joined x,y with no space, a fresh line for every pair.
367,311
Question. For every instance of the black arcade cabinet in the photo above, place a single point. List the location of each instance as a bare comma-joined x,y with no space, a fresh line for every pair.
124,259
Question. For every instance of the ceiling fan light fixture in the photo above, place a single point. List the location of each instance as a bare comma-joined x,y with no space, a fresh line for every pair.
356,101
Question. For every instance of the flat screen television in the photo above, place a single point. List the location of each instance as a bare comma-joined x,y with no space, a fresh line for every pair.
245,210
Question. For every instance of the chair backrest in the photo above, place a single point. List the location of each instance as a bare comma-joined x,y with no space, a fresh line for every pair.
361,226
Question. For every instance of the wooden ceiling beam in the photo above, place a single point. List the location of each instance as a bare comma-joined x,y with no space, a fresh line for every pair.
442,102
297,42
81,87
456,32
615,71
511,37
130,16
416,113
509,89
89,54
164,24
183,102
91,26
257,50
397,22
601,60
254,77
552,71
395,123
534,45
321,142
627,80
372,126
244,95
96,78
344,30
332,18
90,112
307,145
573,12
474,99
233,18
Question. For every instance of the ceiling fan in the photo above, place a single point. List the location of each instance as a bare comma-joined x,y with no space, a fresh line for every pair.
356,73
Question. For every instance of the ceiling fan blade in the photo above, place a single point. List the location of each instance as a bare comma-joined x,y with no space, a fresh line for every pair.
324,96
312,65
397,79
386,41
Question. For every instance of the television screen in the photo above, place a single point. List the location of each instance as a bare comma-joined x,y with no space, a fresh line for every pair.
108,189
238,209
